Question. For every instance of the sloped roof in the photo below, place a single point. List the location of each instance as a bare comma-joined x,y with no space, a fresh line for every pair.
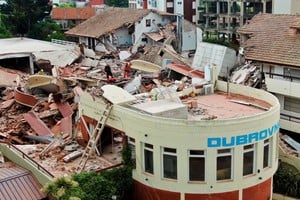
73,13
273,39
18,183
107,21
95,3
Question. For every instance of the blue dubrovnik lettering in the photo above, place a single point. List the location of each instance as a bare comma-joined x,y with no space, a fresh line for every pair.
242,139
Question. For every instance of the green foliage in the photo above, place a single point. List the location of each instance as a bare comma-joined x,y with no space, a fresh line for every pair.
4,30
46,30
122,179
286,180
92,186
23,14
63,189
126,156
117,3
67,5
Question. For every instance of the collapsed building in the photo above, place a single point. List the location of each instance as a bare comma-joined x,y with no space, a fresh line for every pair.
186,129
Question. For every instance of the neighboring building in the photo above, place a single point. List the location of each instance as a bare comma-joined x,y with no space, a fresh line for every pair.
286,7
187,8
225,17
119,27
224,146
126,27
70,17
273,41
96,3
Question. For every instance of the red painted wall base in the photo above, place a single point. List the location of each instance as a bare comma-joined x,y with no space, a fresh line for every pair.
258,192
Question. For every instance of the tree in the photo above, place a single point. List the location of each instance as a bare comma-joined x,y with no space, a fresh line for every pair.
46,30
4,30
117,3
23,14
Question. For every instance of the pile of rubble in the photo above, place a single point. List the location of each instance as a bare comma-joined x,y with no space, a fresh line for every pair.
248,74
39,112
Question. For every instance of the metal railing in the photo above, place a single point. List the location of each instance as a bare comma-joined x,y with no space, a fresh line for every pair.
63,42
24,156
289,118
291,78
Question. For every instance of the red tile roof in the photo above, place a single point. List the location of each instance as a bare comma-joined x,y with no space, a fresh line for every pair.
73,13
273,39
95,3
106,21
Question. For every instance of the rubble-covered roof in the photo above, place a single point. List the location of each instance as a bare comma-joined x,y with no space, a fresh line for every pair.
106,21
23,45
57,54
73,13
273,38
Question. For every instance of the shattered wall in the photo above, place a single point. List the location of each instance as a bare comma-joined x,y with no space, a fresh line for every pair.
208,54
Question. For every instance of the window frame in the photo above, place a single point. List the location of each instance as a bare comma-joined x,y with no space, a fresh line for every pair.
169,153
222,155
267,143
148,22
201,156
252,148
149,148
132,147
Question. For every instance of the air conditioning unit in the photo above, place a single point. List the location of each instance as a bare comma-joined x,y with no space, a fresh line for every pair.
208,89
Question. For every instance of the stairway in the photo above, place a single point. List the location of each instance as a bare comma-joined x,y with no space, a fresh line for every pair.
94,138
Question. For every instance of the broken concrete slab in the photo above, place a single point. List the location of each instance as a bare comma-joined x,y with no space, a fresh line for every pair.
66,125
6,104
65,109
72,156
37,124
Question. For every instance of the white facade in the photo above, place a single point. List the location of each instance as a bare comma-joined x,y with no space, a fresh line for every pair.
177,6
284,82
180,140
286,7
121,37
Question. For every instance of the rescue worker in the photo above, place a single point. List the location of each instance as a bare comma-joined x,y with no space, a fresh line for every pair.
109,74
127,69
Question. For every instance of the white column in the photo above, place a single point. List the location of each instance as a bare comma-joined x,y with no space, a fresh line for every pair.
228,14
242,14
31,64
264,6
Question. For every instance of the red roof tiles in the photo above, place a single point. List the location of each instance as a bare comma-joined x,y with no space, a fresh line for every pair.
73,13
95,3
273,39
106,21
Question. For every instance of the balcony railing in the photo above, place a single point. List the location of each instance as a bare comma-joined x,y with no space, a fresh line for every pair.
291,78
289,118
24,156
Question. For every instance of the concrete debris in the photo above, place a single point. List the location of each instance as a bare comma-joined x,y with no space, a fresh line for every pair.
72,156
248,74
289,145
41,109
